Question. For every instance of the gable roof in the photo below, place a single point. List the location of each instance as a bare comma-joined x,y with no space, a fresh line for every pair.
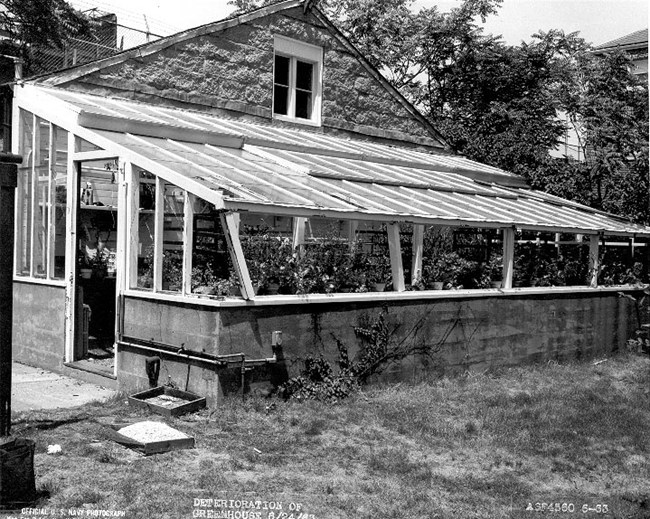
636,39
68,75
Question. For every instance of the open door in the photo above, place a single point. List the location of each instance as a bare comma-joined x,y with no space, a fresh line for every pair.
96,272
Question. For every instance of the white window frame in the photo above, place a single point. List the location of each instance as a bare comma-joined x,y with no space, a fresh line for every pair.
299,51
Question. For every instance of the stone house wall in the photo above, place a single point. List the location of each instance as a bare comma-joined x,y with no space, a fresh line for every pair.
231,72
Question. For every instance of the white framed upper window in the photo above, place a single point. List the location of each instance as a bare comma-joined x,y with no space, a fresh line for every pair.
297,81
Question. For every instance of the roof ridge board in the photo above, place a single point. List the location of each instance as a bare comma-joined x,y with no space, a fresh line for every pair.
484,176
152,47
140,127
410,184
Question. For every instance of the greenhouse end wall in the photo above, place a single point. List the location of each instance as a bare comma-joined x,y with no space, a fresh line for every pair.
462,333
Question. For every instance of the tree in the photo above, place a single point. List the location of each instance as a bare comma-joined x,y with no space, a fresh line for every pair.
33,24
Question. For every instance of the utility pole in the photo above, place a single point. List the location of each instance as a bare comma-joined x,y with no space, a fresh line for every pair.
8,180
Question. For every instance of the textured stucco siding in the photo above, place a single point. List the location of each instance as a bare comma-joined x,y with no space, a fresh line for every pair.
465,334
231,71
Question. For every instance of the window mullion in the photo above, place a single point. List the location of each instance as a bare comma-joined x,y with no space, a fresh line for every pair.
291,111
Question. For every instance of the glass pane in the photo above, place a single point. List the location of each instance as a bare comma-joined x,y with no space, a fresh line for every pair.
303,104
172,275
25,182
280,99
304,74
97,224
146,228
281,71
84,145
212,269
5,124
59,181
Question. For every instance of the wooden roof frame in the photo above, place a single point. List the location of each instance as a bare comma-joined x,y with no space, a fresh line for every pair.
37,100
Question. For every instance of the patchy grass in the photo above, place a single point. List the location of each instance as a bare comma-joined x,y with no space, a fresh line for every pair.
478,446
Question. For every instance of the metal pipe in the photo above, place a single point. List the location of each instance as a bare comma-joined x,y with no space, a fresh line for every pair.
154,349
243,379
219,361
215,360
8,182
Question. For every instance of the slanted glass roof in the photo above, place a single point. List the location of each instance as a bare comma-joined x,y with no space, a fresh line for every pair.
244,166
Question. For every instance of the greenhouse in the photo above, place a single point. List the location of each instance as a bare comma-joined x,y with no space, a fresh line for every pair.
120,214
158,223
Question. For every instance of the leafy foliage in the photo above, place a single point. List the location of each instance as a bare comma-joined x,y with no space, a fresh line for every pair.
381,347
607,106
45,23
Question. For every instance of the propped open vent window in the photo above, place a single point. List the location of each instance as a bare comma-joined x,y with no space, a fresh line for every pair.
297,73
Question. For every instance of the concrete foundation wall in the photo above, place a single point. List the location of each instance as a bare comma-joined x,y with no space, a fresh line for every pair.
232,72
459,334
38,325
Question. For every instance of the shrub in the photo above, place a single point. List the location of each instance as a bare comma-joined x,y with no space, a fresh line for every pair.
379,349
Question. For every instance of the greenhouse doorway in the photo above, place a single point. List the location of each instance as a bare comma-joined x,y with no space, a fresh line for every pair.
96,272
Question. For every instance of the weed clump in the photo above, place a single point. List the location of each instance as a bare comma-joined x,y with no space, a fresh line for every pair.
379,349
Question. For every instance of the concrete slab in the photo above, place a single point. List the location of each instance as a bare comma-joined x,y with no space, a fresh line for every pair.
36,388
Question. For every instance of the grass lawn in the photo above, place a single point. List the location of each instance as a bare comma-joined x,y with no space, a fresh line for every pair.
478,446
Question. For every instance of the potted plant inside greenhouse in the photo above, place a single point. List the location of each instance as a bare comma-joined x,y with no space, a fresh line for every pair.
494,270
379,274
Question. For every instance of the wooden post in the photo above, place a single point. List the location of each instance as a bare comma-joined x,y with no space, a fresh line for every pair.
158,235
298,231
123,246
230,223
418,246
350,230
51,203
71,246
508,256
132,215
8,182
395,249
188,242
594,260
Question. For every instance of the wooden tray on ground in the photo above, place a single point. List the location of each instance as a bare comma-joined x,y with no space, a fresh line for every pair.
147,447
167,401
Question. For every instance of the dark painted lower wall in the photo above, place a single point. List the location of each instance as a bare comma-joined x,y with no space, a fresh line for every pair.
39,325
459,334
